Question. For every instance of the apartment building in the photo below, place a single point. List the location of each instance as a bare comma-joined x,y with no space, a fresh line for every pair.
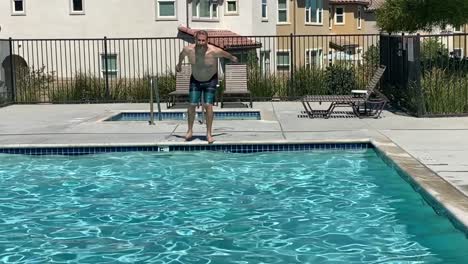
66,37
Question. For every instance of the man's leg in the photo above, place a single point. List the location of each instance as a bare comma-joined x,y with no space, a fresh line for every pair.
194,99
209,122
190,119
209,95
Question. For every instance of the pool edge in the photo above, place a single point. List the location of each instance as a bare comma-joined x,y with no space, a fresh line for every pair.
443,196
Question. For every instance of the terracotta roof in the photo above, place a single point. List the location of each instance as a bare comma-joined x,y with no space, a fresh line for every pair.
375,4
224,39
362,2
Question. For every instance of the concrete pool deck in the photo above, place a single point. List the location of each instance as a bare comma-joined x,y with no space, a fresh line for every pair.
424,147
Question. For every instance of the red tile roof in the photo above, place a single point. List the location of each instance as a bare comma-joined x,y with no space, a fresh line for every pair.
224,39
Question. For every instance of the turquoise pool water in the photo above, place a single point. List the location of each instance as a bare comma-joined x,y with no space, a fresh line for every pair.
214,207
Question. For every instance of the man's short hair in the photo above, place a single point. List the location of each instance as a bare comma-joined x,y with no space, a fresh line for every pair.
201,32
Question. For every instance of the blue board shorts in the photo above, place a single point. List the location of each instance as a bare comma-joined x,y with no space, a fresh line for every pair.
208,88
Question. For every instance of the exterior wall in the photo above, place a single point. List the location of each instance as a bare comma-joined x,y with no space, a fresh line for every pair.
370,23
4,52
124,19
325,33
51,19
121,18
350,21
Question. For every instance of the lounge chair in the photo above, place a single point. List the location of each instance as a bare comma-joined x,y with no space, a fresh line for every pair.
182,85
235,82
359,100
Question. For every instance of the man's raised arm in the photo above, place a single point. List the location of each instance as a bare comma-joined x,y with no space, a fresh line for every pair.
224,54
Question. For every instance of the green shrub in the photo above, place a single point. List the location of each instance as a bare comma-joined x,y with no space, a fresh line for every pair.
264,85
31,84
339,79
445,92
308,80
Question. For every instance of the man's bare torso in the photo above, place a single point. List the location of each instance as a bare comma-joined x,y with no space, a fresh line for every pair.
204,64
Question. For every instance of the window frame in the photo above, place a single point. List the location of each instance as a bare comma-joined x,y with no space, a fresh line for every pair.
110,73
231,13
264,5
288,51
158,14
336,15
318,14
14,12
287,13
359,17
307,55
77,12
197,11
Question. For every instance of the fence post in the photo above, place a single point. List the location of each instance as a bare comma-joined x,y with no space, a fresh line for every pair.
291,72
416,65
12,72
106,71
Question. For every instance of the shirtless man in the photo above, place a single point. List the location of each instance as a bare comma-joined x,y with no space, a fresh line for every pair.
204,60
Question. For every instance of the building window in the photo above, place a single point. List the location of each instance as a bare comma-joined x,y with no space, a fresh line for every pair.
339,15
359,18
77,6
265,61
231,7
204,9
457,29
17,7
165,9
282,60
111,65
314,58
314,11
283,11
264,10
330,17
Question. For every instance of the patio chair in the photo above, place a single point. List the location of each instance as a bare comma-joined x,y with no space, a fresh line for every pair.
182,85
359,100
235,82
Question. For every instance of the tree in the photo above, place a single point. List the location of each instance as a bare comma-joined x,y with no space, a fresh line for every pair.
413,15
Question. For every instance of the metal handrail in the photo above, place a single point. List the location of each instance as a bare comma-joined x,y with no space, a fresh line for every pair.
154,85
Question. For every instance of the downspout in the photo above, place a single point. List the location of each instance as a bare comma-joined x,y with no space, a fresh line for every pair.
187,12
294,16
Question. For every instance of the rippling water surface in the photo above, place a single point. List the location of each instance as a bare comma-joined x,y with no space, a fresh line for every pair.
211,207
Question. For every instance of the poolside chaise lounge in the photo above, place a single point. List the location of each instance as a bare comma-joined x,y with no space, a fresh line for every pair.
182,85
359,100
235,82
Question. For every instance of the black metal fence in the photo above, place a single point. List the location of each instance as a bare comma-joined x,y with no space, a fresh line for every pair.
117,70
426,75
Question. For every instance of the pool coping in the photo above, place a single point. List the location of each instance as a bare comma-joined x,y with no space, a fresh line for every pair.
444,197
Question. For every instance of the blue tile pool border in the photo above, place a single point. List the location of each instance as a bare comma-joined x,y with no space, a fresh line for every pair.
235,148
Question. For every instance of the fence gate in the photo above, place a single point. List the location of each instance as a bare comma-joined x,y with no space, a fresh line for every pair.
401,55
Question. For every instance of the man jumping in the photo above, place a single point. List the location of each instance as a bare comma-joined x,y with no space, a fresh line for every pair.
204,60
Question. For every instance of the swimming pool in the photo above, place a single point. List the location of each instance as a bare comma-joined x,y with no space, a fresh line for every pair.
145,116
327,206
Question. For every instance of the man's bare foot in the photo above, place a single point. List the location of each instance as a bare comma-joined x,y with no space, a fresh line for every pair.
188,136
210,139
